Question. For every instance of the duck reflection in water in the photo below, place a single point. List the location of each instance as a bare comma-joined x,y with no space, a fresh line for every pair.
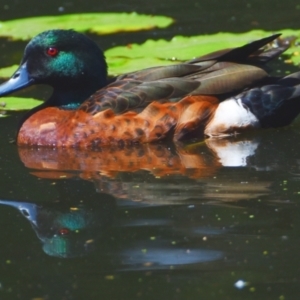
136,178
70,226
261,151
198,160
74,227
157,174
152,168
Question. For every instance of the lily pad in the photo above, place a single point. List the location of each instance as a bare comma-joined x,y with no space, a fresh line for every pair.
129,58
18,103
99,23
8,71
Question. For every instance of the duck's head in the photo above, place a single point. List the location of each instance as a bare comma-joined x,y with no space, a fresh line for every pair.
68,61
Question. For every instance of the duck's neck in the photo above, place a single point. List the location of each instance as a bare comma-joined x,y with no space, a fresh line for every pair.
67,99
72,96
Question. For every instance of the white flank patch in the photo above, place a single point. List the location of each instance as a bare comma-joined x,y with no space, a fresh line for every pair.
230,118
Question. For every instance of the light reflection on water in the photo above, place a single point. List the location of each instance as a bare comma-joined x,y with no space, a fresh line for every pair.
162,258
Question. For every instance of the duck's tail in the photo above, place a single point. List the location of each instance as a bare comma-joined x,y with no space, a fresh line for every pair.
275,104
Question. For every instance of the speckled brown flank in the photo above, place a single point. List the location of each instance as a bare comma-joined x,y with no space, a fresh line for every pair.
70,128
127,121
164,118
146,123
173,109
127,135
158,130
139,131
195,116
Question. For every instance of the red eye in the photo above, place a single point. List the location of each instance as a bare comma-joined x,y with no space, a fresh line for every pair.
52,51
63,231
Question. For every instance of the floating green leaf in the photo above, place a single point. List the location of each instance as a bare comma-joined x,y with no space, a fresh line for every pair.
161,52
7,72
18,103
100,23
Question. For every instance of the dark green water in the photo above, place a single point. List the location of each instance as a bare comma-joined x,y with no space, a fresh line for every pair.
191,224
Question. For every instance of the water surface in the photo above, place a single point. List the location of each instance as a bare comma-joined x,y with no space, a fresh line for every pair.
213,220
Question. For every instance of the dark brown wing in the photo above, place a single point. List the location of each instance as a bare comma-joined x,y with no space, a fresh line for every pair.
126,95
222,72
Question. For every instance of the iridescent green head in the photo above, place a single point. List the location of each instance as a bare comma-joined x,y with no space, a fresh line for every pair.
68,61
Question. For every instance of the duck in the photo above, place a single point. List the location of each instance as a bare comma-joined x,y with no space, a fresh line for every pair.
217,95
